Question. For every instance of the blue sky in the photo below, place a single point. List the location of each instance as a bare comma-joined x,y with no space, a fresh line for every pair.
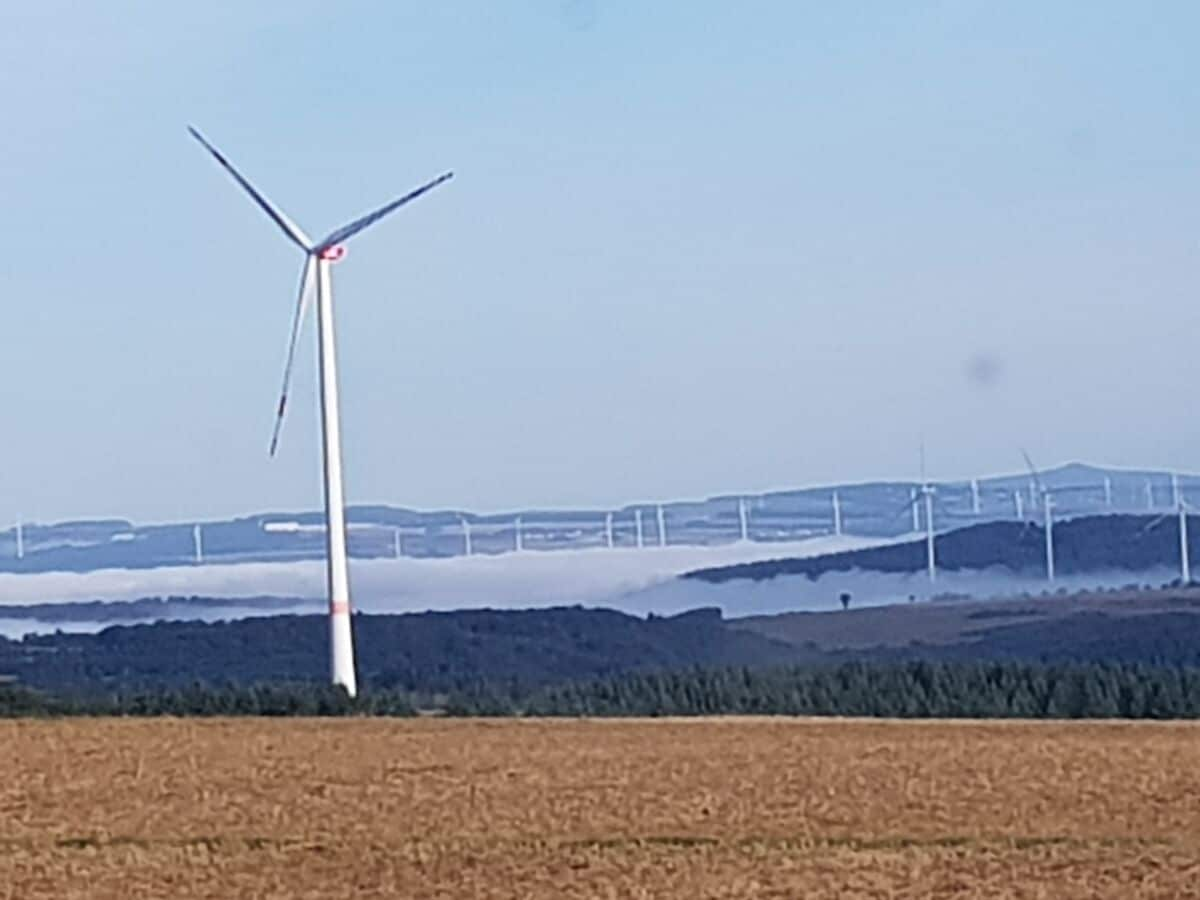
690,248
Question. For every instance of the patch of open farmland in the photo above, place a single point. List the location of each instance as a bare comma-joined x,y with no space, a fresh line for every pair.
698,808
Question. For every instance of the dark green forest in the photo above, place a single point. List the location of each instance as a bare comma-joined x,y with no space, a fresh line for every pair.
905,690
422,651
445,653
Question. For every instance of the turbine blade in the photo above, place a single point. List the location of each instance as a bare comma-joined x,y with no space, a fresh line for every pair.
348,231
302,304
907,507
1154,523
290,228
1034,472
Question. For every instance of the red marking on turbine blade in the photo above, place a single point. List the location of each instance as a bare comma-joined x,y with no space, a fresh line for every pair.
334,253
339,608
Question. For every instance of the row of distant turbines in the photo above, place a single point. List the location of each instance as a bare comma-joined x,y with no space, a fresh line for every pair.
630,528
926,492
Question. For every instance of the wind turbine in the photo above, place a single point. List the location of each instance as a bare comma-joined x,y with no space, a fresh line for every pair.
743,520
1047,513
1181,510
1047,495
318,257
925,491
837,514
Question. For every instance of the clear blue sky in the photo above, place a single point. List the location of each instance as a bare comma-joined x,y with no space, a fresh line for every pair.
691,248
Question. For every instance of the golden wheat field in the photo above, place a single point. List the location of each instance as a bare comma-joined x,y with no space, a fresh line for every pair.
610,809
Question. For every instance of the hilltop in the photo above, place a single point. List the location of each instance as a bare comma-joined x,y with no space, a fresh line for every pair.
1084,545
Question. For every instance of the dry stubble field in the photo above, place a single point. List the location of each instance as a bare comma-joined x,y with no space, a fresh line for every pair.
689,809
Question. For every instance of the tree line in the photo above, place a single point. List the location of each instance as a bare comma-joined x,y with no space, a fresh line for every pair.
899,690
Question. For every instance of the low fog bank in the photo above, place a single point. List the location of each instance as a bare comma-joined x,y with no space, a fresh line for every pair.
17,628
594,577
639,582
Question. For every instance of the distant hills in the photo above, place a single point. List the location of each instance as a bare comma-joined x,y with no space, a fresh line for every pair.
869,509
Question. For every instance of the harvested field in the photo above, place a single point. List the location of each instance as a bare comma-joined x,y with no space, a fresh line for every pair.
689,809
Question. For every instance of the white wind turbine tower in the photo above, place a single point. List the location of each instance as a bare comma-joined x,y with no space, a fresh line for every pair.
198,543
925,491
609,537
1181,510
466,530
1047,494
319,255
744,520
639,534
662,526
1047,513
837,514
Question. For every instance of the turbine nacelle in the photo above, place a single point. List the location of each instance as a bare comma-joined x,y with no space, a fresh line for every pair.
329,249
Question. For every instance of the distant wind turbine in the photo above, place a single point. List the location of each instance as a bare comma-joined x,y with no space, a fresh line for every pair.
1181,511
318,256
925,492
1047,495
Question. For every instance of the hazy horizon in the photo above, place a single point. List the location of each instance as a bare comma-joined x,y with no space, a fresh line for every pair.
685,254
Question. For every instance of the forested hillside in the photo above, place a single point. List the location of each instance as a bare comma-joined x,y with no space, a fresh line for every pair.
1088,544
428,651
496,653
